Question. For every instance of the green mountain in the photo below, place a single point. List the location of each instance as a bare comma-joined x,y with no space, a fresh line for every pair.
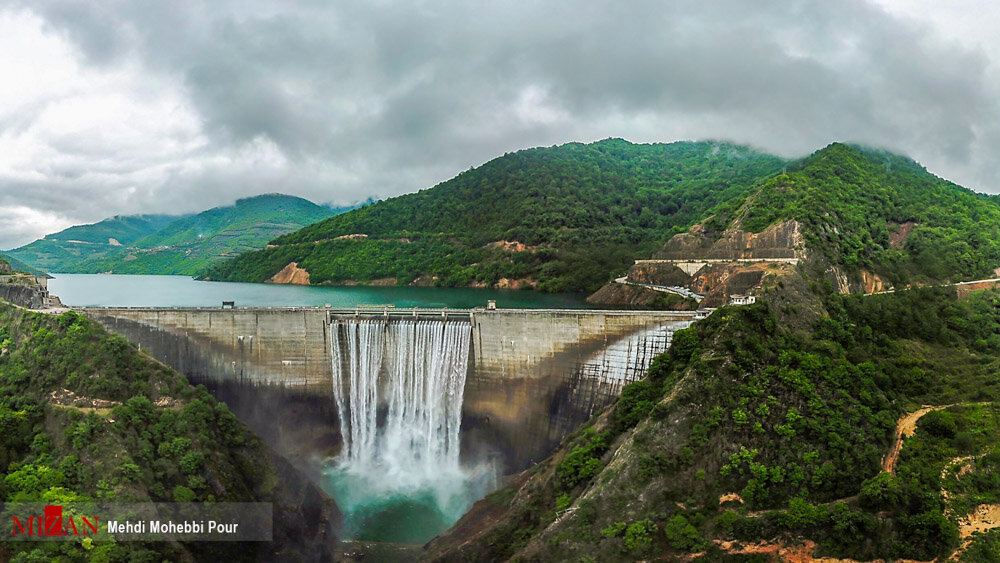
563,218
570,217
126,229
864,208
172,245
772,431
67,248
87,418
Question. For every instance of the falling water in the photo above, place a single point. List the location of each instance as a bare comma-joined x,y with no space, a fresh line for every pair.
399,388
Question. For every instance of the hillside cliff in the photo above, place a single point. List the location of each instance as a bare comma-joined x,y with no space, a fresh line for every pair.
779,240
758,437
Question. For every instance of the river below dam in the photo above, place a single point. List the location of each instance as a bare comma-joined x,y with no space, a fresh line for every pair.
101,290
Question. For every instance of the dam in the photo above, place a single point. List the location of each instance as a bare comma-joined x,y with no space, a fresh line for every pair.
532,376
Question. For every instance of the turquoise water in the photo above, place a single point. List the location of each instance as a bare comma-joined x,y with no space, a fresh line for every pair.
399,509
96,290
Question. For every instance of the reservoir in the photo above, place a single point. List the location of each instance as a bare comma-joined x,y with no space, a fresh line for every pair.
100,290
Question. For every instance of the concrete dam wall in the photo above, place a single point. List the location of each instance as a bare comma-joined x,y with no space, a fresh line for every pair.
533,375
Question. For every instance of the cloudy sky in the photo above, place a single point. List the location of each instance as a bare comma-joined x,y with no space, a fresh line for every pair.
118,107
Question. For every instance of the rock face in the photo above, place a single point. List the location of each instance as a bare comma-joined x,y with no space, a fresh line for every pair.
291,274
27,296
716,266
718,281
5,267
965,289
510,246
897,237
782,240
306,520
872,282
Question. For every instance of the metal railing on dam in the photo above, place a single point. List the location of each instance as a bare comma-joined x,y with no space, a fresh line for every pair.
533,374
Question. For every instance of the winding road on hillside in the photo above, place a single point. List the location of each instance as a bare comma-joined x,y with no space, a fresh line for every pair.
662,288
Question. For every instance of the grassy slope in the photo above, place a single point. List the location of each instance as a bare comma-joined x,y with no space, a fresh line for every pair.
124,228
191,450
590,209
793,421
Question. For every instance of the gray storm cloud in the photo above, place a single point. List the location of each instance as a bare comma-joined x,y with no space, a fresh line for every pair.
340,101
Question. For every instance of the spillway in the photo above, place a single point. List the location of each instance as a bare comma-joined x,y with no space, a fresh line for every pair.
399,386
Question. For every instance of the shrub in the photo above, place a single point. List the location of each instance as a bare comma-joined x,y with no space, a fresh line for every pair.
681,535
183,494
639,536
938,423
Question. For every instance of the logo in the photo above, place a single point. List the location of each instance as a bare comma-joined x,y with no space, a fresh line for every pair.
52,524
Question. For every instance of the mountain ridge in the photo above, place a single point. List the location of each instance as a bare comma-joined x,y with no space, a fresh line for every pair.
555,219
164,244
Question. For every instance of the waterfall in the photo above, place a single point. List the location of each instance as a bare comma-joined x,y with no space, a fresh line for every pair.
416,370
398,387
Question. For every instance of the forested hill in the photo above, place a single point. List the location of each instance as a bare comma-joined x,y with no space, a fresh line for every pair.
126,229
865,208
160,244
88,418
563,217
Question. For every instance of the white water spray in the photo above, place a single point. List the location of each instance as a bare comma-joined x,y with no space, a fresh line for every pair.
399,387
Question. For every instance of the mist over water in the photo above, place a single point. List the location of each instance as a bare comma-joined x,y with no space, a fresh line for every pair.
399,388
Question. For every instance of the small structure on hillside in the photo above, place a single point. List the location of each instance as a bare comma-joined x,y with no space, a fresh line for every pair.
491,305
742,299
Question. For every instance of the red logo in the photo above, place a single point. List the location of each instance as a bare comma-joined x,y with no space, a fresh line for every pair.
52,524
